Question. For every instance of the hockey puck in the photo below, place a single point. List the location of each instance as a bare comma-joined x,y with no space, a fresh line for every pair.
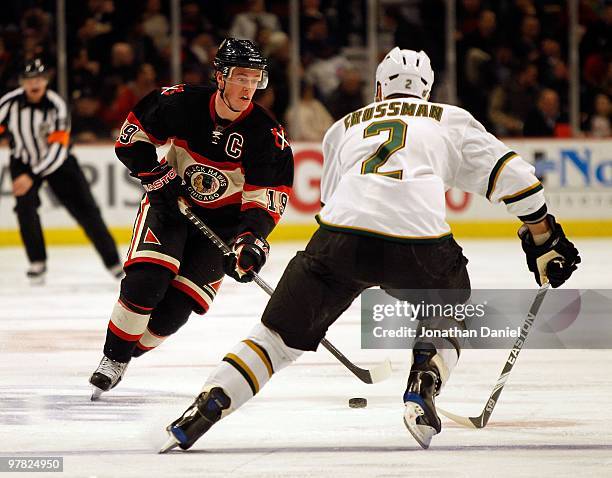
358,402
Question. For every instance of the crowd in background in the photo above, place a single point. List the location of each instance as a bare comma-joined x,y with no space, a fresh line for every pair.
512,57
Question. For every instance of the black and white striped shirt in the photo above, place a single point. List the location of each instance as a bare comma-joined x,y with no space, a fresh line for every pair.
39,132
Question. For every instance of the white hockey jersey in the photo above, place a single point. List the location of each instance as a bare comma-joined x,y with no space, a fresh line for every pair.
388,165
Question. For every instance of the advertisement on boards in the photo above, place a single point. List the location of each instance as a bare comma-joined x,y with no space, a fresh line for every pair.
577,176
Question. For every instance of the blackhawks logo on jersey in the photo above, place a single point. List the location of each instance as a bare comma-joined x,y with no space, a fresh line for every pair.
205,183
280,137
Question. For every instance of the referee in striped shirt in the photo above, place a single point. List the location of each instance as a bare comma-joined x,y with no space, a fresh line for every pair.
37,122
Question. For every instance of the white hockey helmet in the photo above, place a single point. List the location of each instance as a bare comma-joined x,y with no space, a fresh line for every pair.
405,72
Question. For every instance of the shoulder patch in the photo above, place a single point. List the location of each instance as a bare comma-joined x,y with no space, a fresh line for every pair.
170,90
280,137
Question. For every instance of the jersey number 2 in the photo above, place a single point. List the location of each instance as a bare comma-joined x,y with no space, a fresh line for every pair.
396,141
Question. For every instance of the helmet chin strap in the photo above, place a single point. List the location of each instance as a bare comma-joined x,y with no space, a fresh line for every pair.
222,90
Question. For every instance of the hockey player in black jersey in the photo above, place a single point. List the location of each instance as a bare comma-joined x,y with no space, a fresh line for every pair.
231,161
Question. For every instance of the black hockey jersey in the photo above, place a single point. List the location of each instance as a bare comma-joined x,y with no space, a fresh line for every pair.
238,174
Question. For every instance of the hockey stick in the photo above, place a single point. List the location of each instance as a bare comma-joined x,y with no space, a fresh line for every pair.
481,420
377,374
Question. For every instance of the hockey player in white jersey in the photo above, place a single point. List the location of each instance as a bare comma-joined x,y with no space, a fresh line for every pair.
386,169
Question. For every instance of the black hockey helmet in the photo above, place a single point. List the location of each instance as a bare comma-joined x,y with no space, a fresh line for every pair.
234,52
34,68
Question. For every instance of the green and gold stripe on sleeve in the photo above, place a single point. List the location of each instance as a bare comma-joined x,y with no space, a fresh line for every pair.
501,163
523,193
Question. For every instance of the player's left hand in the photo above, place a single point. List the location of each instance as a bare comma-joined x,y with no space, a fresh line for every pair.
249,254
164,187
555,259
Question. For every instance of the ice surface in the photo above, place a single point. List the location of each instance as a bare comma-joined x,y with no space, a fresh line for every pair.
553,418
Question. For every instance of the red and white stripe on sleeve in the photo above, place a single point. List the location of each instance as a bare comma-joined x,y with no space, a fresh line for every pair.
272,199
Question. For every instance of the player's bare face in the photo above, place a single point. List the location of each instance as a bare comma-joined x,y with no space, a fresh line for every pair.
34,88
240,87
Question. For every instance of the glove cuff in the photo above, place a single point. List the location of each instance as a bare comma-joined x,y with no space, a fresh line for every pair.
554,232
249,237
159,182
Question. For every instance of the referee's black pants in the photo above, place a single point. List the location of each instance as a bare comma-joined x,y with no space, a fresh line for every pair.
69,185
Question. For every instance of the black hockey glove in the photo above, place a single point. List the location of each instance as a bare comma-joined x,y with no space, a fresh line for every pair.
249,255
163,187
555,259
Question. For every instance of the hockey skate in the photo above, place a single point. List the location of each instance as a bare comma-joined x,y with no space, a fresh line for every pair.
197,419
107,376
420,415
36,273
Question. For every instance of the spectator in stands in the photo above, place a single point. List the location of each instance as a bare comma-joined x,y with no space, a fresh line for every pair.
324,63
278,51
128,95
516,11
598,36
406,34
36,23
596,78
122,68
505,63
485,36
510,103
200,48
467,17
316,40
599,126
262,38
100,29
325,73
84,73
526,47
87,124
246,25
553,71
542,120
199,55
348,96
308,120
477,67
143,46
156,25
103,12
192,21
311,11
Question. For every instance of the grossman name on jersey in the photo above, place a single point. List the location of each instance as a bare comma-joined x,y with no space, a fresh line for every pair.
395,108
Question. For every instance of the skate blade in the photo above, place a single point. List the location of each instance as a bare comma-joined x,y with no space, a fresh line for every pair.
169,445
421,433
95,393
